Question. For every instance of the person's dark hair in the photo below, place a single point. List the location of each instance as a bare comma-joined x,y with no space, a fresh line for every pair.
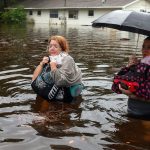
147,38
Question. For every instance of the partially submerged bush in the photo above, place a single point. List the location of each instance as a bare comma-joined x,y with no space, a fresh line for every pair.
17,15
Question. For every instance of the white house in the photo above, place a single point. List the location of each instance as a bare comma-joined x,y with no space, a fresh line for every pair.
81,12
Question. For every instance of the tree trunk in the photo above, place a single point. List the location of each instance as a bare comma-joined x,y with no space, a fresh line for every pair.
5,3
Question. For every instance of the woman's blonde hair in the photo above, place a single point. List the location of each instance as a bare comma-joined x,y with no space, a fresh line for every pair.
62,41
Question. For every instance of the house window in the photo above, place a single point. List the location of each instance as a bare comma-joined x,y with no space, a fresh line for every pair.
73,14
30,12
39,12
53,13
91,13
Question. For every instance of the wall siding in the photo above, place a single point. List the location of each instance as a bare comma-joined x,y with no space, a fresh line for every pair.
83,18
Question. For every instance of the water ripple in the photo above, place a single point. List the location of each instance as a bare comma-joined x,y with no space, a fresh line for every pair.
97,120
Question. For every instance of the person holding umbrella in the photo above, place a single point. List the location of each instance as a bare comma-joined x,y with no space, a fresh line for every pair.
134,81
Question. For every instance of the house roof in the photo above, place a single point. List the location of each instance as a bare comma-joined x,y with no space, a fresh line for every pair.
49,4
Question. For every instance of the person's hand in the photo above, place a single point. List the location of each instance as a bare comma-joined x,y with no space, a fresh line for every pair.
132,61
124,91
130,94
53,65
44,61
53,58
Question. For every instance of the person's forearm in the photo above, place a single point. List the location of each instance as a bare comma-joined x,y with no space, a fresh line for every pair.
37,71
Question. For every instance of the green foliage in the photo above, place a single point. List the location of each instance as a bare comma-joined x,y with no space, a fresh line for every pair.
17,15
6,3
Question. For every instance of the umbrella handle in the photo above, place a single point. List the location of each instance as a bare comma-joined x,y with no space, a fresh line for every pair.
137,43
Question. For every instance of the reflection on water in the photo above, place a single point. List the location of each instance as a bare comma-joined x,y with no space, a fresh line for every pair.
131,140
97,120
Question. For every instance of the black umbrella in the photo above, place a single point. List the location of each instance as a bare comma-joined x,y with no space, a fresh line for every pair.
137,22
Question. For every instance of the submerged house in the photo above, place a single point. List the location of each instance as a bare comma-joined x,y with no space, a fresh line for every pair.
80,12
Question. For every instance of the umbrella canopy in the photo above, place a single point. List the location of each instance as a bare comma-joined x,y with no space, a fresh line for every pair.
137,22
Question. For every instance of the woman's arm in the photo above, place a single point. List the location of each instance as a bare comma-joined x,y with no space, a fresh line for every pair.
144,90
39,68
144,87
37,71
131,95
61,75
124,70
68,74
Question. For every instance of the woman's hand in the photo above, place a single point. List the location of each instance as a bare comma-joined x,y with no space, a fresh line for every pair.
53,65
132,61
128,93
44,61
124,91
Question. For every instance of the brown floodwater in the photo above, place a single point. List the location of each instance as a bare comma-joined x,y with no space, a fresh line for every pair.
95,121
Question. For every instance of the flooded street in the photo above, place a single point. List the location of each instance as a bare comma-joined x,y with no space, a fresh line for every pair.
96,121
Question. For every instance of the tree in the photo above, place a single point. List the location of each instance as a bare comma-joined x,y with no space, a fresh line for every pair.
17,15
6,3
